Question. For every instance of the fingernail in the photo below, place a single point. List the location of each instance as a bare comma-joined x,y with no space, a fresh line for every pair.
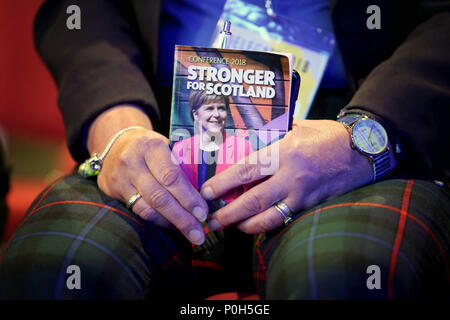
199,213
196,237
214,225
207,193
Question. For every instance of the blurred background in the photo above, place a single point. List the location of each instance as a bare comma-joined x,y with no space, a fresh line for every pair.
31,127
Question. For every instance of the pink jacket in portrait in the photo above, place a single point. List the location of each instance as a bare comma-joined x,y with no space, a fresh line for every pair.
231,150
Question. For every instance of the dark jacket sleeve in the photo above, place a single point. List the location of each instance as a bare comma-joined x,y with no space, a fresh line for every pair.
96,67
411,91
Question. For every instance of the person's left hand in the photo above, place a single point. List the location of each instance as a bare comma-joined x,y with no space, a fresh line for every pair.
316,162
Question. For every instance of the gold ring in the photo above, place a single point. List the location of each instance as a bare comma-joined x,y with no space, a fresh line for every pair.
135,197
284,210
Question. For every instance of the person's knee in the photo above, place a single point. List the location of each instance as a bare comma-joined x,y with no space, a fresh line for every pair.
362,246
71,248
55,267
328,267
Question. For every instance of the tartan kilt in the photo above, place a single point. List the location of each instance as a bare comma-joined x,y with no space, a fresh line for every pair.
400,226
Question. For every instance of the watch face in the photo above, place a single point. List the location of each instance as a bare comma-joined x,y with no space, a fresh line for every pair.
369,136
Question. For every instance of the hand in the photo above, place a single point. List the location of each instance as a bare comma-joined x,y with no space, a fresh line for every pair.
140,161
316,163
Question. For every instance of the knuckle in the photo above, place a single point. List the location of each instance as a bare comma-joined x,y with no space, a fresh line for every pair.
114,179
143,143
275,220
159,200
148,214
124,160
141,140
253,203
141,210
185,223
170,176
150,143
296,156
268,223
246,172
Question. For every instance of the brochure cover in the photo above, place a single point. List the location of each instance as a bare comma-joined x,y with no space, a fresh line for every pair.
226,104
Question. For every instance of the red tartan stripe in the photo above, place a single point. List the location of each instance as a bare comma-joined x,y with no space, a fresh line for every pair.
45,194
399,235
259,276
88,203
22,221
207,264
175,257
263,275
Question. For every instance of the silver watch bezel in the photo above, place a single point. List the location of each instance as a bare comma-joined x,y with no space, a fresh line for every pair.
386,144
381,161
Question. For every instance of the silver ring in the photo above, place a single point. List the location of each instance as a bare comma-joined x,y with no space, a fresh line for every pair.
284,210
135,197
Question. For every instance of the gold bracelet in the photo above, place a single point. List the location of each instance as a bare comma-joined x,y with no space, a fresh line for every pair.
92,166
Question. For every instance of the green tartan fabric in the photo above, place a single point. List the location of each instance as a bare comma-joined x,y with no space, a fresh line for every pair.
401,226
120,255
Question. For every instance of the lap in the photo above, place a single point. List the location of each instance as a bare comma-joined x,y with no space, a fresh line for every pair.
400,226
120,255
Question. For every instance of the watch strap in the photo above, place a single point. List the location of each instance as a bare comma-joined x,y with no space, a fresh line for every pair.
381,165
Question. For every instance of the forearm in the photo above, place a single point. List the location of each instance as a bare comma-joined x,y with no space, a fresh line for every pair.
95,67
111,121
410,90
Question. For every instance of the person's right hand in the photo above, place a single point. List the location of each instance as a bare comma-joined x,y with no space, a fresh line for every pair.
140,161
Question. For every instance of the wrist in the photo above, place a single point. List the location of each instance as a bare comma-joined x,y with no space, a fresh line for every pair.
360,167
111,121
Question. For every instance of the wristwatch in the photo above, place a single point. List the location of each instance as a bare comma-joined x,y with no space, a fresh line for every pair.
370,138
